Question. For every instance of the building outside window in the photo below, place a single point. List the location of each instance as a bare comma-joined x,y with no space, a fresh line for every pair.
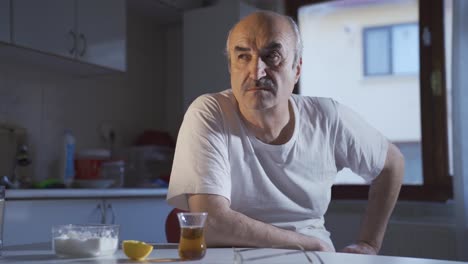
391,50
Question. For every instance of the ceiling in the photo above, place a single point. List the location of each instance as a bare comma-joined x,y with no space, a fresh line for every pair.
170,11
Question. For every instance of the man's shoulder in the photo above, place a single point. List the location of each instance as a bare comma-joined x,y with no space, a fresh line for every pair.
212,101
315,104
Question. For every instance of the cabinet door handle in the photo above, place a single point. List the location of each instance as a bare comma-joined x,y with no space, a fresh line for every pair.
85,44
73,49
109,207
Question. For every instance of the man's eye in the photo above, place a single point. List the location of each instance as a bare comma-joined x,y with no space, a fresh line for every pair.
273,57
243,57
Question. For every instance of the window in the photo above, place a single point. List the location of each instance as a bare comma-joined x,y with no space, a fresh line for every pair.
391,50
349,41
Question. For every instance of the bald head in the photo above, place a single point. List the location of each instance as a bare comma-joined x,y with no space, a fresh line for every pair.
267,23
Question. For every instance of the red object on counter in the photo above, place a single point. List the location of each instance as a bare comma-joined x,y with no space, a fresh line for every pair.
88,163
155,137
88,169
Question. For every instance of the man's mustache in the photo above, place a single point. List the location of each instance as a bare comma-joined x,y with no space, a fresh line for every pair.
265,82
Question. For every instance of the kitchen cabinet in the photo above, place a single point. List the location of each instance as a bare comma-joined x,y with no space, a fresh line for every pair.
101,30
5,21
46,25
31,221
139,219
84,30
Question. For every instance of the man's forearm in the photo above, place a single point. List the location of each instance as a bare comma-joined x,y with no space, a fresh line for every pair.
236,229
226,227
383,195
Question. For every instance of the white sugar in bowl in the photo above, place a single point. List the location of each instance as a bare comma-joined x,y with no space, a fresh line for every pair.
81,241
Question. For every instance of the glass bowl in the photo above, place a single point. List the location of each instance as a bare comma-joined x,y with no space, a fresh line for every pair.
85,240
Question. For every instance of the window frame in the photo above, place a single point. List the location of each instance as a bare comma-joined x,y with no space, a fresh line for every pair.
437,183
389,28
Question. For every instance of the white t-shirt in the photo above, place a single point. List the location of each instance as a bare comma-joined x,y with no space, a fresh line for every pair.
287,185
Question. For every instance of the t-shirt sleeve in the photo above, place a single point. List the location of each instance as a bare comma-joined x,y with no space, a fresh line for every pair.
201,163
358,146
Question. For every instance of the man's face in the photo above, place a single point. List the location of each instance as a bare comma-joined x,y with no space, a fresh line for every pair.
262,53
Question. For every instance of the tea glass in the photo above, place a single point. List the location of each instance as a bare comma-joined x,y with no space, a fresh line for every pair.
192,245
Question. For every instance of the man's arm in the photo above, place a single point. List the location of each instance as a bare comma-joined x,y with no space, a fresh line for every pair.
383,194
226,227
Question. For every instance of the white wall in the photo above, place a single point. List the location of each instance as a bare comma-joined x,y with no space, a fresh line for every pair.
45,101
174,78
460,122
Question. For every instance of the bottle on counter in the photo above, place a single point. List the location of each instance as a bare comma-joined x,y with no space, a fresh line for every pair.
67,168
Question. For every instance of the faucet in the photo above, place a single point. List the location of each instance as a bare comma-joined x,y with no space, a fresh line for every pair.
21,159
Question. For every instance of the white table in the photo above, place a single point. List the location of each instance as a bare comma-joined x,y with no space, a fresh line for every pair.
37,254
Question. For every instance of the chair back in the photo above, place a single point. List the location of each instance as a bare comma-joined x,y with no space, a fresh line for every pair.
172,226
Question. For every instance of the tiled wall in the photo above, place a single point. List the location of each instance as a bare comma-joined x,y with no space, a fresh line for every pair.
46,101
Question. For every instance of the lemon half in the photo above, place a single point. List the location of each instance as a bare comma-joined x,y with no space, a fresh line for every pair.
136,250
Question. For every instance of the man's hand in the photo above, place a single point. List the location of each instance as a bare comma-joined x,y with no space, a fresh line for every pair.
360,248
325,246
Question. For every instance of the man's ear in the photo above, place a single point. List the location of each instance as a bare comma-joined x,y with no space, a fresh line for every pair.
298,70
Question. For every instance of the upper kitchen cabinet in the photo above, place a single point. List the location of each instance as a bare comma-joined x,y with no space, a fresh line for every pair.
86,30
101,27
46,25
5,21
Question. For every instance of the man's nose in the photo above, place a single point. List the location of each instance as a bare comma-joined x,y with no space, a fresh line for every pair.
257,69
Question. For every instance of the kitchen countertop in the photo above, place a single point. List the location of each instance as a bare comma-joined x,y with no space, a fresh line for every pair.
28,254
33,194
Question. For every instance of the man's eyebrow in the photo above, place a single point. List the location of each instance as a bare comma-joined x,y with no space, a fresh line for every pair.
241,49
273,46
